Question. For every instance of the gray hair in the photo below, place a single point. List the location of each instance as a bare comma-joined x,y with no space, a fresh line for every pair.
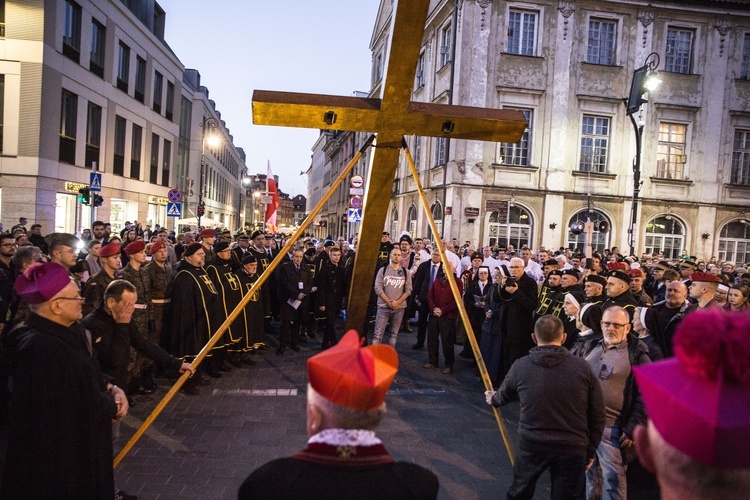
340,417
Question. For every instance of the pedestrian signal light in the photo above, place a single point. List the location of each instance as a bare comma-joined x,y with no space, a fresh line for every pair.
98,200
201,210
84,196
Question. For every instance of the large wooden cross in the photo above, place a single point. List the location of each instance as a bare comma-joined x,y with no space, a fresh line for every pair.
391,118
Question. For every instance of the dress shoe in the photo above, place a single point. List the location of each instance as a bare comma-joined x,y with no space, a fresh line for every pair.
145,391
247,360
407,328
280,350
448,370
417,346
190,390
295,348
212,372
149,384
235,360
428,365
201,380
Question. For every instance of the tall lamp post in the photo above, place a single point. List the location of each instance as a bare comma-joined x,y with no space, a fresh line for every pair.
645,80
209,125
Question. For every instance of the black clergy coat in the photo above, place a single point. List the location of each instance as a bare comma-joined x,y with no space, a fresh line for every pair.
230,295
60,434
195,311
256,309
288,289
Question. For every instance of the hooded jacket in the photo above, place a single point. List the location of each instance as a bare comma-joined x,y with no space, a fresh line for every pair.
562,407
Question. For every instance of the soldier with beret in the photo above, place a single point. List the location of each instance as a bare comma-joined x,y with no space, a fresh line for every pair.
636,288
60,439
618,289
135,273
160,278
208,238
343,456
702,291
93,290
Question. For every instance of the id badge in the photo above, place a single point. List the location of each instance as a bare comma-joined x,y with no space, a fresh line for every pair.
605,372
301,285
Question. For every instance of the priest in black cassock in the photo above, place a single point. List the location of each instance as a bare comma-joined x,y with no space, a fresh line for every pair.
220,270
343,457
255,310
195,304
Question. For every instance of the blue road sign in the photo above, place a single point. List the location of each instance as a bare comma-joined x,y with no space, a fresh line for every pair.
355,215
174,195
96,182
174,209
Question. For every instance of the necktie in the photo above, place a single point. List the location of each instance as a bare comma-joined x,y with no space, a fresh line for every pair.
433,273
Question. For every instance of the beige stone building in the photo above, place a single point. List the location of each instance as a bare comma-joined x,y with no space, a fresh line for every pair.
568,66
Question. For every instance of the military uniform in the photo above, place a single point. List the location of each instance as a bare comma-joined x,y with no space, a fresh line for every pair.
93,291
161,279
140,280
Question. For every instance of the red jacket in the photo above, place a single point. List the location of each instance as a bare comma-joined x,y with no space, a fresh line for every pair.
440,296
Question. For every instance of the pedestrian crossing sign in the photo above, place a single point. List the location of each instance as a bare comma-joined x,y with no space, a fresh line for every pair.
355,215
174,209
96,182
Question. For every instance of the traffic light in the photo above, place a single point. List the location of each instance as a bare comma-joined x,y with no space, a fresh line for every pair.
84,196
98,200
201,210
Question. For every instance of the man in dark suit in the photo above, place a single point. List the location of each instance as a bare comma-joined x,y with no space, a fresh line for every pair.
426,273
519,301
343,457
294,284
331,281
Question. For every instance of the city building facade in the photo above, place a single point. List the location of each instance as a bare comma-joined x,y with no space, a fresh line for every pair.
568,66
93,85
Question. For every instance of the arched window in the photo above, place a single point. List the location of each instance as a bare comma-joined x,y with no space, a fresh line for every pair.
665,234
437,215
411,221
599,241
394,222
515,229
734,242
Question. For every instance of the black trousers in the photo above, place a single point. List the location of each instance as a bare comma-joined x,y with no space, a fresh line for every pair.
445,328
329,321
568,475
424,313
290,331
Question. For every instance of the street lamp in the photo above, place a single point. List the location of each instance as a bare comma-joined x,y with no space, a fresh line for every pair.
209,126
645,80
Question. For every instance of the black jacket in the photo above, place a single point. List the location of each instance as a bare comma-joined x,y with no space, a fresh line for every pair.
112,342
331,280
562,406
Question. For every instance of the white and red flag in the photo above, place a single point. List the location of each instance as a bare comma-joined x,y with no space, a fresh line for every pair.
273,193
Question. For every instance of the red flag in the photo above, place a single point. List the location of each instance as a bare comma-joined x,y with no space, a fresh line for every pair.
273,192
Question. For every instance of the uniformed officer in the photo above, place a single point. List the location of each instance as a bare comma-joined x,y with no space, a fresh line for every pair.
93,290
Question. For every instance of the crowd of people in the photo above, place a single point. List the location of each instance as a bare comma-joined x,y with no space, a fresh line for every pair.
145,302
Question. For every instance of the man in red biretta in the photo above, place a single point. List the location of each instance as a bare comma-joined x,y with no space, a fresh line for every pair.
697,439
343,457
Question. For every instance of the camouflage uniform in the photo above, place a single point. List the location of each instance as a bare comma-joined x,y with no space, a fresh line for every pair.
140,280
93,291
160,280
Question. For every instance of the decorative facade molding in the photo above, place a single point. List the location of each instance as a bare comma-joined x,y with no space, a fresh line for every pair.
646,17
723,26
483,4
566,9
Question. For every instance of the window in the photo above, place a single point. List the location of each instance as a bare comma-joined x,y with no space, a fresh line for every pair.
123,67
93,133
2,18
679,50
2,109
96,63
665,234
601,44
671,157
599,241
419,76
154,172
734,242
140,78
440,144
68,124
516,153
417,151
745,70
135,152
411,220
594,143
521,32
446,42
741,158
158,90
379,66
72,30
437,215
170,101
118,162
166,161
511,227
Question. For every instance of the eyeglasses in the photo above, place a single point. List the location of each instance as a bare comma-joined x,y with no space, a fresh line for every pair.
9,245
76,298
616,326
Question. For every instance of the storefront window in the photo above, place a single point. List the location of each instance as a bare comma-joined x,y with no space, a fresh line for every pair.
118,215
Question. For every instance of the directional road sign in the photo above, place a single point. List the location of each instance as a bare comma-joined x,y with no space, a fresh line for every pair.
174,209
96,182
174,195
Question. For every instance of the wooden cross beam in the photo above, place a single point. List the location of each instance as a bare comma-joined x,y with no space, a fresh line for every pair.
391,118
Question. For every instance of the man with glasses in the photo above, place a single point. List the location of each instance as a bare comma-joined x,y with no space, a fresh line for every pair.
60,439
612,360
62,249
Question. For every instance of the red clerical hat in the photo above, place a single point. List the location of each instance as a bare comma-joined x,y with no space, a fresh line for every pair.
40,282
353,376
